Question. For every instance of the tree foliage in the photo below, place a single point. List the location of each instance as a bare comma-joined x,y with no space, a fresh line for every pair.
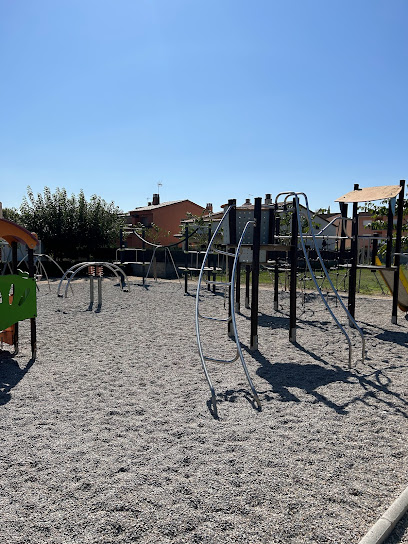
69,226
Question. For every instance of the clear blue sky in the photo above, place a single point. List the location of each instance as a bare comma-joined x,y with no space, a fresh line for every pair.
215,99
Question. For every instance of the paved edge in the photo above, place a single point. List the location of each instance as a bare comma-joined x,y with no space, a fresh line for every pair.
385,525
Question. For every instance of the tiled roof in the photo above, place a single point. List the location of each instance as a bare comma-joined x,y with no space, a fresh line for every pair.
156,206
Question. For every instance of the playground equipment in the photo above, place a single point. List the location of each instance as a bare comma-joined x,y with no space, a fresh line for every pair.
18,290
368,194
151,265
231,317
249,235
40,270
94,269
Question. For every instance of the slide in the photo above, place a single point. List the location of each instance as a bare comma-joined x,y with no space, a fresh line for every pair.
388,277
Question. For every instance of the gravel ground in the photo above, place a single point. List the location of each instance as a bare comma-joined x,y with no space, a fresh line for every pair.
108,438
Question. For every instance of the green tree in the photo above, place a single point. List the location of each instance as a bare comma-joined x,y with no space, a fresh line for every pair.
70,226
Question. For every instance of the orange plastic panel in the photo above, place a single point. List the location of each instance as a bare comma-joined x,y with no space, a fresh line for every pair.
11,232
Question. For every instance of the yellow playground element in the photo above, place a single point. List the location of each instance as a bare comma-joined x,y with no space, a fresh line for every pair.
388,276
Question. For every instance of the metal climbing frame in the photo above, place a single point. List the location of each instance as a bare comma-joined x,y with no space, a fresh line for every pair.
156,247
351,319
231,319
73,271
40,268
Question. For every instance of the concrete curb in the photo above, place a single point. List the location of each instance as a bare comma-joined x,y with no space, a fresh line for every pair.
385,525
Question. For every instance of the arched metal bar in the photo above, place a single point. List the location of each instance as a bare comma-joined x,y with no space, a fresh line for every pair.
198,316
111,267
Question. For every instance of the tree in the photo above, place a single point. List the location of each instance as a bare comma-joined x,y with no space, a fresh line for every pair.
70,226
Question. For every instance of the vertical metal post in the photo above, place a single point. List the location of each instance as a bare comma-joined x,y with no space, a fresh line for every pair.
256,247
354,260
276,274
247,278
238,288
397,259
98,309
122,253
143,258
343,231
374,250
14,263
390,228
91,292
293,273
210,259
31,273
186,260
232,224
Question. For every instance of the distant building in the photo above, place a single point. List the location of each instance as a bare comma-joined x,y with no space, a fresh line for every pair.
167,216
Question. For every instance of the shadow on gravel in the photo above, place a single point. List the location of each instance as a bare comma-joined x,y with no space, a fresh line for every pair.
10,375
309,377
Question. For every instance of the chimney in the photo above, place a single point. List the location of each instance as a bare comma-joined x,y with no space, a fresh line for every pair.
156,199
268,199
209,207
247,201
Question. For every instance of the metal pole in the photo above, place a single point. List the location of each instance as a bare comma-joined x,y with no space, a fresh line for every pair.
232,223
31,271
397,258
256,246
247,277
343,233
98,309
238,288
14,271
293,272
390,228
186,260
354,259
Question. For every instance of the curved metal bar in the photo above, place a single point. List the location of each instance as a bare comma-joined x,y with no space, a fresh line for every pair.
80,266
232,318
197,315
350,318
158,245
65,275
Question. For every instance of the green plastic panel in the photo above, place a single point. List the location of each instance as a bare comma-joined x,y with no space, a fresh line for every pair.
24,301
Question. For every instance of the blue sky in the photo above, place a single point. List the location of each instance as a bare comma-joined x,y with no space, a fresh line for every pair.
214,99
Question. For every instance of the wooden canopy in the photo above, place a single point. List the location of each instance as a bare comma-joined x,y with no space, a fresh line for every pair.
366,194
11,232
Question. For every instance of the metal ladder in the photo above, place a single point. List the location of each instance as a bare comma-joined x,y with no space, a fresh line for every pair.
351,320
231,319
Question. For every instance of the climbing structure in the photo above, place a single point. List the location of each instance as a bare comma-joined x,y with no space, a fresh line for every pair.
18,290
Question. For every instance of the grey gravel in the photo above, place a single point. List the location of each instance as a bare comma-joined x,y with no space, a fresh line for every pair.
108,438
